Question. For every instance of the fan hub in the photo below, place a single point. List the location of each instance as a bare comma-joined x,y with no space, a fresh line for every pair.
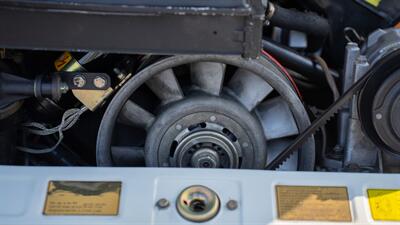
207,147
206,132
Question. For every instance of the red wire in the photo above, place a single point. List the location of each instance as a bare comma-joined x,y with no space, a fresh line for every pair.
290,78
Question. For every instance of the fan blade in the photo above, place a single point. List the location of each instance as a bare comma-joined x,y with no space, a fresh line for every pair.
127,155
166,86
275,147
134,115
277,119
248,88
208,76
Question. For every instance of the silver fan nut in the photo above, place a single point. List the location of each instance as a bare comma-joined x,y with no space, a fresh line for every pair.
206,158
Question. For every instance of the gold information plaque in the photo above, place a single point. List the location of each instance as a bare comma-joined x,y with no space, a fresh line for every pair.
313,203
82,198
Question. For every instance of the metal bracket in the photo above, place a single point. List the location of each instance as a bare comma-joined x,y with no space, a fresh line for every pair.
86,81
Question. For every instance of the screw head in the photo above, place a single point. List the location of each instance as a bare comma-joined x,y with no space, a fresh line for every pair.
178,127
162,203
79,81
213,118
99,82
232,204
379,116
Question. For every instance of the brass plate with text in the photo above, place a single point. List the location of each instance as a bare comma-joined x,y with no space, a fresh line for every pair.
313,203
82,198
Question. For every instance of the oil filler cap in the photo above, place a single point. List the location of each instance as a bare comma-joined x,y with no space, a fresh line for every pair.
198,204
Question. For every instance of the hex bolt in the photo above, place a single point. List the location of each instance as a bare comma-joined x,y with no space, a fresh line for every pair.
162,203
79,81
213,118
232,204
99,82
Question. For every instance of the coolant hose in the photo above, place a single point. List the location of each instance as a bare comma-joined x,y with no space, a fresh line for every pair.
292,19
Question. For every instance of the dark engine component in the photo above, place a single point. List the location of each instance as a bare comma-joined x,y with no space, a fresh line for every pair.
293,60
8,132
379,103
14,88
226,27
229,113
370,123
386,109
361,15
9,120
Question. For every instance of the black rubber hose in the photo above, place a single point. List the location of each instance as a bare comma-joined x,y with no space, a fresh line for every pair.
294,61
15,85
292,19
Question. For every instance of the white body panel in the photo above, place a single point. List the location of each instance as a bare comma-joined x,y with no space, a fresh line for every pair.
23,193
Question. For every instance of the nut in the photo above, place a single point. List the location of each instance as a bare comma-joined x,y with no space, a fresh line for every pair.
232,204
99,82
79,81
162,203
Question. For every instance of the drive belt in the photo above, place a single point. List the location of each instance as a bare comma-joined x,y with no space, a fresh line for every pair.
384,65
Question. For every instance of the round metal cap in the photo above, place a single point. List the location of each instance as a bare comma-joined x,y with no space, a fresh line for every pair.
198,204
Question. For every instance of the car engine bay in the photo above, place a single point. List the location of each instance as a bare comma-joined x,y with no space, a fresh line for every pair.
300,85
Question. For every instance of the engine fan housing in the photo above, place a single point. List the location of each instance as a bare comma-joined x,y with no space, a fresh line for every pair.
209,115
